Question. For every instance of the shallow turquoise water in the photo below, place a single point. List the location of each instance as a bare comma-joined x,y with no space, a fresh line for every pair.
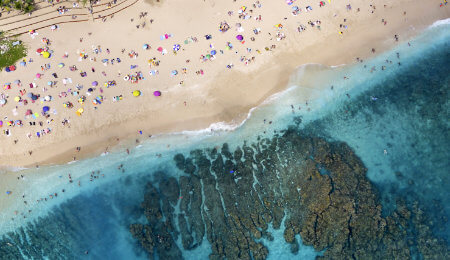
396,121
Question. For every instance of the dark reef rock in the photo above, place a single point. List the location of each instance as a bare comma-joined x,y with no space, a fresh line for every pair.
319,189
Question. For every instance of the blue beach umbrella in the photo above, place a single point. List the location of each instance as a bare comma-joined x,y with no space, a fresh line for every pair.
176,47
8,192
213,52
46,109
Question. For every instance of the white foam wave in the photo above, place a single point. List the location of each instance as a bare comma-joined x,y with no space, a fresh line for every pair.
278,95
12,169
337,66
440,23
212,129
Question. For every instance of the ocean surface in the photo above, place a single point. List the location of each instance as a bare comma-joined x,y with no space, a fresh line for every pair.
359,168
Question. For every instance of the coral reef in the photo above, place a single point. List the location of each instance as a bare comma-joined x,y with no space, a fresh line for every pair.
319,188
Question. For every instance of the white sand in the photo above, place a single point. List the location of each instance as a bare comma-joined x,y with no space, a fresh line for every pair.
220,94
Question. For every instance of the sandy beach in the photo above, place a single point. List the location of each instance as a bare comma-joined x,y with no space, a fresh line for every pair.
189,75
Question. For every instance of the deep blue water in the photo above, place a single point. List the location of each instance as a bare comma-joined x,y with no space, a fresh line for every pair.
395,120
410,120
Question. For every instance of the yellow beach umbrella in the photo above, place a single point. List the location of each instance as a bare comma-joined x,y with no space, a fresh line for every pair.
17,99
79,112
136,93
46,54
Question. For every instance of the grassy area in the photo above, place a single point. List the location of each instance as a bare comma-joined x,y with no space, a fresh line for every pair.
10,54
25,6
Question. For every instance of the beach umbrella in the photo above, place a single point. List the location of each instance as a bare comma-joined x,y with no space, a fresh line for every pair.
48,98
34,97
12,68
208,56
2,101
1,123
17,99
160,49
95,83
136,93
104,60
29,112
90,89
46,109
157,93
50,83
38,75
240,37
176,47
213,52
7,69
30,95
46,54
8,192
79,112
40,50
61,65
17,81
145,46
23,63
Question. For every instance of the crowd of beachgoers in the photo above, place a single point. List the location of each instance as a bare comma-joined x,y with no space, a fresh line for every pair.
67,77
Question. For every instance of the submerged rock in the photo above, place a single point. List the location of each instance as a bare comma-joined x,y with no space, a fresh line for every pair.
318,188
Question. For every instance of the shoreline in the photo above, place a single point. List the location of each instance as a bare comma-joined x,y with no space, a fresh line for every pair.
276,79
